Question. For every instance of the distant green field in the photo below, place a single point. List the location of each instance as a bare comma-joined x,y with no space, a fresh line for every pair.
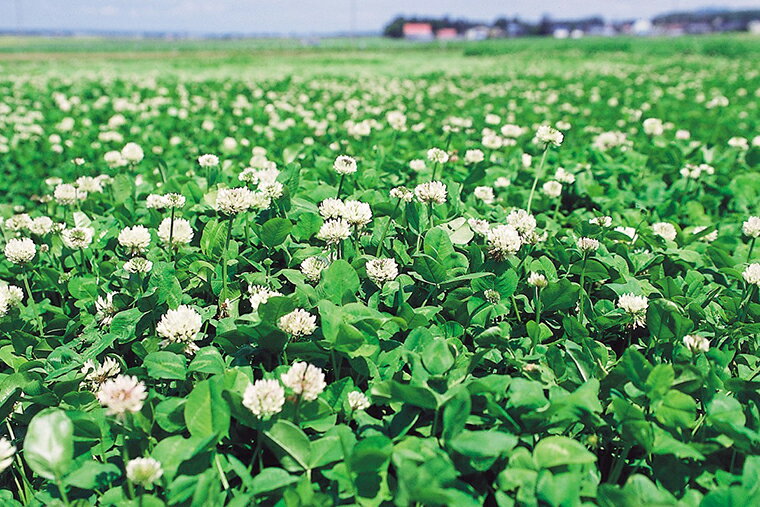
346,56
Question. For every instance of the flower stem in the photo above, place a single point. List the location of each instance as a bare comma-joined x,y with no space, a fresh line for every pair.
171,236
751,247
385,231
225,257
539,173
340,185
32,303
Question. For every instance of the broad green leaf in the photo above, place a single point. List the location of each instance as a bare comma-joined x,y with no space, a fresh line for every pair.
49,444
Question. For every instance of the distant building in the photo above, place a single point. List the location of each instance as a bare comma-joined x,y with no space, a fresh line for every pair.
418,31
753,27
477,33
561,33
447,34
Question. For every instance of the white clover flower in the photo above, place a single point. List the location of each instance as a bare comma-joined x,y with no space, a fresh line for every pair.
751,275
18,222
417,165
305,379
587,244
66,194
357,401
95,375
603,221
7,451
665,230
231,201
357,213
155,201
381,270
485,194
298,323
552,189
431,192
537,280
608,140
41,226
138,265
503,240
105,309
181,326
437,155
474,156
549,135
174,201
563,176
502,182
751,227
273,189
396,119
479,226
136,239
312,268
522,221
526,159
344,165
20,250
402,193
683,135
77,238
132,153
114,159
510,130
653,127
182,232
121,395
89,184
11,294
144,472
739,142
260,201
264,398
696,343
208,160
334,231
332,208
708,237
628,231
258,295
635,306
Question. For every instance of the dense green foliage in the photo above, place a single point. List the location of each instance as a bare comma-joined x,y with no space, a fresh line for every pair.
505,362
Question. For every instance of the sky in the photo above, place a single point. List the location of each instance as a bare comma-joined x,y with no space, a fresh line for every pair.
307,16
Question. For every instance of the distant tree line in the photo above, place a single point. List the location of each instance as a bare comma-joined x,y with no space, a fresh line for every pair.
709,16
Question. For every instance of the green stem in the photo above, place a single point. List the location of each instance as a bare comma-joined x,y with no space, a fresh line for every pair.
430,215
583,287
62,489
517,310
340,185
32,303
225,257
387,228
618,466
751,247
297,411
539,173
171,236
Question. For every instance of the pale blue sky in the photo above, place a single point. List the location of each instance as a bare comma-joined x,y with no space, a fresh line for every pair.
306,16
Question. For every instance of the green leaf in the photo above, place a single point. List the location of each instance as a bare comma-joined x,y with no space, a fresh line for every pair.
49,444
213,239
455,412
270,479
275,231
339,283
207,360
290,443
206,412
481,444
165,365
558,451
93,475
437,357
559,296
677,410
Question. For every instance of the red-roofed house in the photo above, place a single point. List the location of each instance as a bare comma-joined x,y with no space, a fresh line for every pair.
447,34
418,31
